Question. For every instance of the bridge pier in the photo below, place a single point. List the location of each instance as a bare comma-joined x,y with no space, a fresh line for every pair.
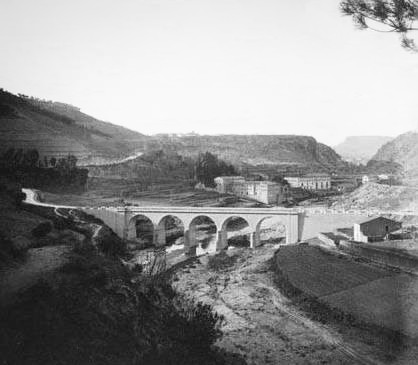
190,243
222,240
159,238
255,239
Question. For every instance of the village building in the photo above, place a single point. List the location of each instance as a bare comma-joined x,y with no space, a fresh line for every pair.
228,184
314,181
375,229
267,192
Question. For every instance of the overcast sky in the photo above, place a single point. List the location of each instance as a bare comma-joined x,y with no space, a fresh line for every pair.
211,66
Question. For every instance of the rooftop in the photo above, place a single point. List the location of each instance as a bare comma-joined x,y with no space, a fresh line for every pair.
369,219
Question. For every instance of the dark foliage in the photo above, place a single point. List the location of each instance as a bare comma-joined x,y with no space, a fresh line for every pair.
27,168
42,229
8,250
221,261
109,243
400,16
208,167
95,314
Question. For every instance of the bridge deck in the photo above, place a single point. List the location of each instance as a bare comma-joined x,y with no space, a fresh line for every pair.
212,210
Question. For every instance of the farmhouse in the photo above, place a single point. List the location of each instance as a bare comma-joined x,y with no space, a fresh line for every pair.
315,181
375,229
266,192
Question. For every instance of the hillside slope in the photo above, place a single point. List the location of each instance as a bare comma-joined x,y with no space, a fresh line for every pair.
288,150
381,197
360,149
57,129
403,150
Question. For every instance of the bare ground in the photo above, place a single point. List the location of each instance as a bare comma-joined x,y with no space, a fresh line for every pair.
260,323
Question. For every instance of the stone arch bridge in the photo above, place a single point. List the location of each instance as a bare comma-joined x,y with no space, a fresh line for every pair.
123,221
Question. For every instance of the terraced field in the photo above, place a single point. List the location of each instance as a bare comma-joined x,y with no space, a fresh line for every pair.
390,302
318,273
373,295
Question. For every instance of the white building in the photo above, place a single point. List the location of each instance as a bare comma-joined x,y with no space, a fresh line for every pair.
316,181
229,184
266,192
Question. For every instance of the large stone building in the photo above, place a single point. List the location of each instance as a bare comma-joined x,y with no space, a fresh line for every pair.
375,229
266,192
315,181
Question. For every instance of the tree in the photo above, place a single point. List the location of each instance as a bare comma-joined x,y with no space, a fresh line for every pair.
72,161
399,16
208,167
53,161
31,158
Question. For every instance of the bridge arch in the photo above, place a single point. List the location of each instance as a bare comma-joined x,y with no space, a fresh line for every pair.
241,226
282,227
169,228
202,228
141,229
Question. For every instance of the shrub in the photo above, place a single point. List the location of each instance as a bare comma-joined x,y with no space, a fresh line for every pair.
239,241
109,243
11,249
42,229
221,261
198,322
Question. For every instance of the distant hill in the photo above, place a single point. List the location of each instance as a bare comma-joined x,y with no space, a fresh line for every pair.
284,150
360,149
403,150
57,129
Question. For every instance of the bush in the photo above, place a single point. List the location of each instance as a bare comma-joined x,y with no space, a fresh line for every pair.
42,229
199,323
221,261
95,314
109,243
239,241
12,249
